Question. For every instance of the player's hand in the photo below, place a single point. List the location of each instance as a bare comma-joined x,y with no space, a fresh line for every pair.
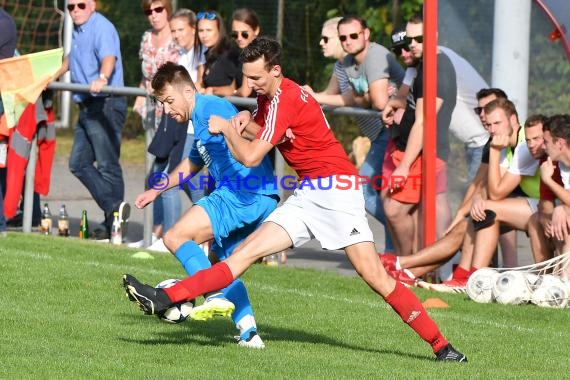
500,141
478,209
145,198
545,221
240,121
217,124
546,170
140,105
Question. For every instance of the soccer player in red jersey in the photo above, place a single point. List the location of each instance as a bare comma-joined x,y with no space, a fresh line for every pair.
328,204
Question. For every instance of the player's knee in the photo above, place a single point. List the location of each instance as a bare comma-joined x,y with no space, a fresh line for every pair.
171,240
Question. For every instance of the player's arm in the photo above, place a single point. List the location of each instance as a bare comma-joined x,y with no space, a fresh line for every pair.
186,169
249,153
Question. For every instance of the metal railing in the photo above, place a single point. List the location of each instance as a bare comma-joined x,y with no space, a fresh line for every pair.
135,91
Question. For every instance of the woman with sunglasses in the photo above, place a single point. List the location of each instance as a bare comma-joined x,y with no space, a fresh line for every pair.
157,47
219,75
245,27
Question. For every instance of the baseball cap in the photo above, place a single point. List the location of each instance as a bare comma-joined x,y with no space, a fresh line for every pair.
398,37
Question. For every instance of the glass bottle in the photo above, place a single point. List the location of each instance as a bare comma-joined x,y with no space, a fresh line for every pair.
46,222
116,232
84,226
63,222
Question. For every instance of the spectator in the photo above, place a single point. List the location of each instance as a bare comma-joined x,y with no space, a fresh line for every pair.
95,59
8,41
183,28
557,145
157,47
403,196
366,72
220,73
245,27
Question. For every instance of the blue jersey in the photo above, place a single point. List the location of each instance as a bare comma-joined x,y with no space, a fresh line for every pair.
213,152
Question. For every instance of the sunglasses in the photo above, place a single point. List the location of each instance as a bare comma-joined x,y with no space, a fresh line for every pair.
71,7
398,49
326,39
418,39
206,15
478,110
353,36
149,11
244,35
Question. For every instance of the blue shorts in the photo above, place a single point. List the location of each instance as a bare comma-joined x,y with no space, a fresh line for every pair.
234,216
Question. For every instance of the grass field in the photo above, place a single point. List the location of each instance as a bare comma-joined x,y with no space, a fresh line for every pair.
64,315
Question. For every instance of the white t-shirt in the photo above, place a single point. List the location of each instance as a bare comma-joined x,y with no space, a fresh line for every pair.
523,163
465,124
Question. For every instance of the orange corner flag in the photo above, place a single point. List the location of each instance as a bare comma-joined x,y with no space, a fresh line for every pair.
23,78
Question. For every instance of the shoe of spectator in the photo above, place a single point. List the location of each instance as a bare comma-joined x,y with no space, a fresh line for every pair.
101,233
214,306
18,220
388,260
450,354
253,341
404,276
158,246
140,243
450,286
150,300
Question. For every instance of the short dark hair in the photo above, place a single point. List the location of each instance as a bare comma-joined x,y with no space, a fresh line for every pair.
265,47
418,18
349,18
502,103
484,92
173,74
559,126
533,120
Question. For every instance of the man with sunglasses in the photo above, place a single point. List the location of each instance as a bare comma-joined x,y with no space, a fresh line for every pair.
404,197
370,69
95,60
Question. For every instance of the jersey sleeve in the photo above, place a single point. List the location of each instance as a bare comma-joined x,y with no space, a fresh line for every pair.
523,163
278,117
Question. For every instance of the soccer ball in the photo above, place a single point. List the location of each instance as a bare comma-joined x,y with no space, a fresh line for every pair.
511,288
480,285
551,292
178,312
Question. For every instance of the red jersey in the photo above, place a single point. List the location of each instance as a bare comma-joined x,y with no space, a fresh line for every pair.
314,152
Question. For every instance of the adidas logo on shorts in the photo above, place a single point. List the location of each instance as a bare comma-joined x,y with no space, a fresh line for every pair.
354,232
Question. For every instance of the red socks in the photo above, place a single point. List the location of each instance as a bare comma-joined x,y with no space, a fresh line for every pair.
462,274
207,280
409,308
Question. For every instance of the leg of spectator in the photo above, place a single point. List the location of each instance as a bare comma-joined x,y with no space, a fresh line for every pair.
541,248
401,224
372,170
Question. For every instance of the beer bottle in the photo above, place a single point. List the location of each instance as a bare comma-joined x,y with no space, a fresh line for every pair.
63,222
84,226
46,222
116,232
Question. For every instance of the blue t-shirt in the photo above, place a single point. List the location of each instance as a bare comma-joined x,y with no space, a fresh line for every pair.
93,41
213,152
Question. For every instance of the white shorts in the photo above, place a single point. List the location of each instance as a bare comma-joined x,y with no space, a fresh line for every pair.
323,211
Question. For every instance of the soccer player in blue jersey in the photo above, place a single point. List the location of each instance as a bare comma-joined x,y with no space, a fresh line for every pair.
243,198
